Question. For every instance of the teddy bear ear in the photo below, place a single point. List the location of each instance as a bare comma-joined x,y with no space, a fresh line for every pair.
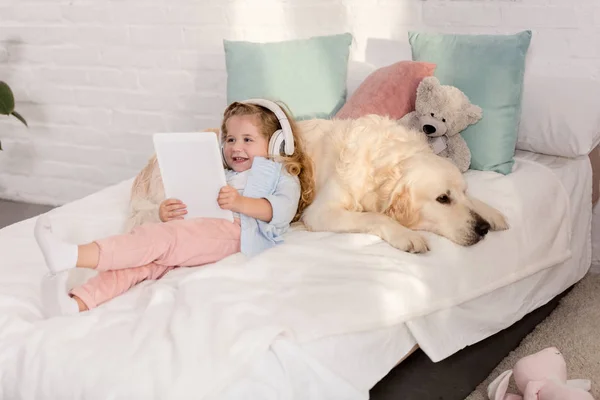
474,113
429,83
426,87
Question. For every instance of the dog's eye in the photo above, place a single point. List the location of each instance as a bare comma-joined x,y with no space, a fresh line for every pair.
443,119
443,199
432,114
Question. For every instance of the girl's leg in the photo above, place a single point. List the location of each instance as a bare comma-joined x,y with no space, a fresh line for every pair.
109,284
179,242
99,289
88,255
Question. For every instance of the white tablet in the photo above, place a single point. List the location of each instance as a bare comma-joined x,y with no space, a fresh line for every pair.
192,171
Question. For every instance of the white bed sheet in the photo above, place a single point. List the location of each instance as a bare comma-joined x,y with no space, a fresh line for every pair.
366,357
345,363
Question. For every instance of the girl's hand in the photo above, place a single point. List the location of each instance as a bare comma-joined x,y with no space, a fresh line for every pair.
171,209
229,199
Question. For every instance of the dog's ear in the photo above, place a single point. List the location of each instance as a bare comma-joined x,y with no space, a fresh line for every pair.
402,209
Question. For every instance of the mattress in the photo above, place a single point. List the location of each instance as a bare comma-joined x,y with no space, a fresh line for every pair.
330,366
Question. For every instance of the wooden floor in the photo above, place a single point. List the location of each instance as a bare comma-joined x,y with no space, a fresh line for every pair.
11,212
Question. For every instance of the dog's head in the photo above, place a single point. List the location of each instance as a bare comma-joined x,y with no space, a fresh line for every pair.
430,195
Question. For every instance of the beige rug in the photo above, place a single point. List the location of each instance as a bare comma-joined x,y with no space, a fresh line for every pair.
574,328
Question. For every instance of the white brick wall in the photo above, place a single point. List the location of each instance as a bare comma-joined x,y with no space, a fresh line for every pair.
96,78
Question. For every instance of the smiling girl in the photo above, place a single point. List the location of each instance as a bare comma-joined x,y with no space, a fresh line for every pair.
267,189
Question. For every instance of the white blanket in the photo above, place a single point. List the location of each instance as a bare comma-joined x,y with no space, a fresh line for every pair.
196,331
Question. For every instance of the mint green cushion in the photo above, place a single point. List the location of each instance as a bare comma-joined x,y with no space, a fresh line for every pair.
489,69
308,75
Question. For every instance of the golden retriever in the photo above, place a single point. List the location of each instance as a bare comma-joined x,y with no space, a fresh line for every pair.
375,176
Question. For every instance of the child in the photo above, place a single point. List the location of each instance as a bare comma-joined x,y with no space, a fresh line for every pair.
266,190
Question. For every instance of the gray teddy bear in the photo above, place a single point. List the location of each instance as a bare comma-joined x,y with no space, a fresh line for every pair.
441,113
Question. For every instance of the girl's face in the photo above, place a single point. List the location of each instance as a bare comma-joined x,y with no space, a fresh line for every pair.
243,142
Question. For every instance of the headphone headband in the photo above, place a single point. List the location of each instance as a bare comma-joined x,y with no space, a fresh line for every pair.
288,137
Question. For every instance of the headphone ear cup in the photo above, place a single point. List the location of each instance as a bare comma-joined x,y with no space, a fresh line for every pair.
277,143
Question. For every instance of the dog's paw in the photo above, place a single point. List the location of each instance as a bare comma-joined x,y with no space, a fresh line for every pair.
409,241
497,221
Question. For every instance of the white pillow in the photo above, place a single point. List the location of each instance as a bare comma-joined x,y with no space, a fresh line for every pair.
560,116
379,53
382,52
357,73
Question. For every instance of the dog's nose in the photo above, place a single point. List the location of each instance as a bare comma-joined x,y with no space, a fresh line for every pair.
482,227
429,129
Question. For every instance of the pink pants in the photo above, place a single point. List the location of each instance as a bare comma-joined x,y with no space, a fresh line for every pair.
152,250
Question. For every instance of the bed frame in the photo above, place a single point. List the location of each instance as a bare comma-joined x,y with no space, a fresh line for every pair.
454,378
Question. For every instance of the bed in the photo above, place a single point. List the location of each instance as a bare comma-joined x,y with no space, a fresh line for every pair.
144,332
322,316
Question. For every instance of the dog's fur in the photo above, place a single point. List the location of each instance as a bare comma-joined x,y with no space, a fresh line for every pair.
375,176
372,176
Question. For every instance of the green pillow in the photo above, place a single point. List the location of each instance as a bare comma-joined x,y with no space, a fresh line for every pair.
489,69
308,75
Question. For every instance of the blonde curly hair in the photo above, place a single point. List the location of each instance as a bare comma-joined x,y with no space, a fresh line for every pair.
298,164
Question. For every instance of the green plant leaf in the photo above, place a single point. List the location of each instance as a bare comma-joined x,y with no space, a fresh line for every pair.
7,99
20,118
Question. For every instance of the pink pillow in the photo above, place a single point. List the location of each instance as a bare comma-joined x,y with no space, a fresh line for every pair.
390,91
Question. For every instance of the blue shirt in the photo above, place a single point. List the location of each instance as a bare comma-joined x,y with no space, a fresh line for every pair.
269,180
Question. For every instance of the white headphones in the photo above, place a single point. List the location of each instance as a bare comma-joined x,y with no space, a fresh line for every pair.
282,140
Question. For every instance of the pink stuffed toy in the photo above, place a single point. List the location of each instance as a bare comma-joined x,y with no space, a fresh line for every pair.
541,376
